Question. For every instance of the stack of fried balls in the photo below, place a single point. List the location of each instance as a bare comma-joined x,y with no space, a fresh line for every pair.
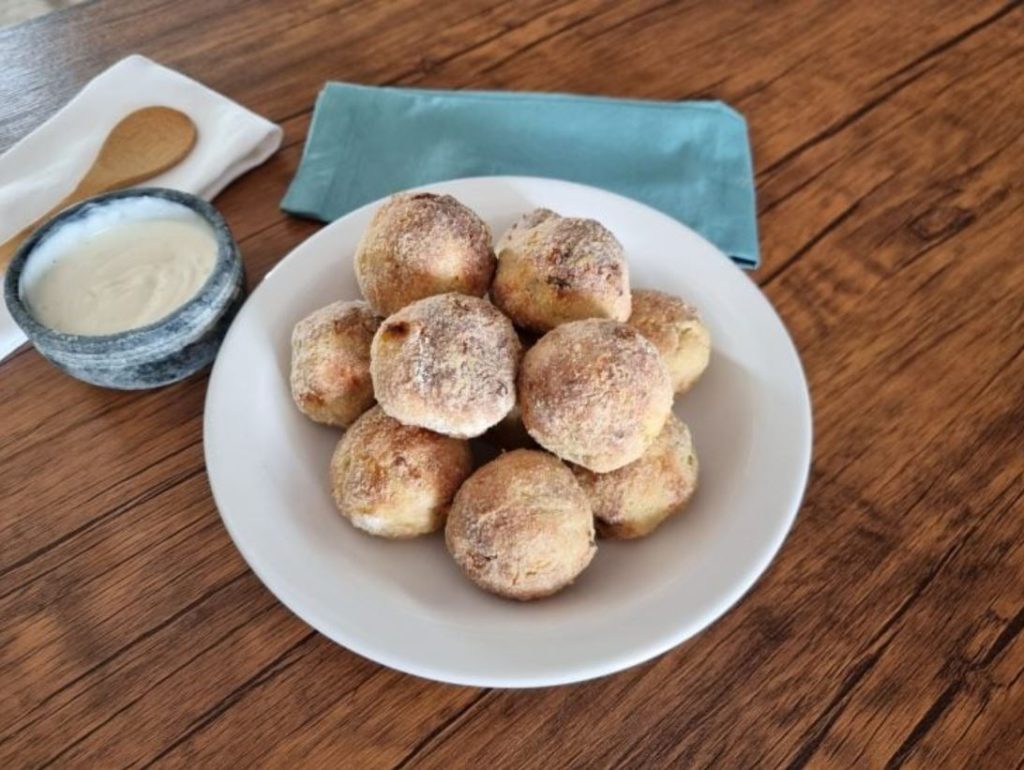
536,345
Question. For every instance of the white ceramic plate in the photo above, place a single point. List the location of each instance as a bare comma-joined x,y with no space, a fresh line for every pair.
405,604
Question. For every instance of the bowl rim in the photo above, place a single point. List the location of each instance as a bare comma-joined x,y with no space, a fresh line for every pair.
153,334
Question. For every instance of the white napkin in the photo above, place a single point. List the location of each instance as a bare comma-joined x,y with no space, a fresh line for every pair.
47,164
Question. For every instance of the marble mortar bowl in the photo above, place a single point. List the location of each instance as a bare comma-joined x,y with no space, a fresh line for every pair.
168,350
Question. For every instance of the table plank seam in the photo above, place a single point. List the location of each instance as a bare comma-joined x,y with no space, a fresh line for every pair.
201,526
635,17
827,230
835,128
838,126
927,283
922,585
999,373
190,24
888,131
705,92
121,400
923,725
624,756
415,70
148,633
1010,631
105,409
283,219
950,43
143,497
150,466
693,724
574,23
316,718
621,758
763,84
762,210
427,66
238,626
265,674
438,732
867,744
837,705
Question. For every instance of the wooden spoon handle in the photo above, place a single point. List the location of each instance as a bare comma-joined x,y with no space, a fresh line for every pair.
11,245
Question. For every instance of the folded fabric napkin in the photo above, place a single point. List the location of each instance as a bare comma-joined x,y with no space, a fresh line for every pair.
690,160
47,164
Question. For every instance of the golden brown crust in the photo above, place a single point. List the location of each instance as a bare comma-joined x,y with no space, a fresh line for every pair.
677,332
635,499
421,244
521,226
447,363
521,527
553,269
595,393
396,481
330,370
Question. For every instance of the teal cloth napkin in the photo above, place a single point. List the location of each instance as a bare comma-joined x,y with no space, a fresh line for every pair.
690,160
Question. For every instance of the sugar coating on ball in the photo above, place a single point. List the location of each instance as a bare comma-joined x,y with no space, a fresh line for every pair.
635,499
330,365
521,527
447,363
677,332
594,392
554,269
421,244
394,480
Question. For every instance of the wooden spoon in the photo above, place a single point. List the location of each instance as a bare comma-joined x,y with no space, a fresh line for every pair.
145,143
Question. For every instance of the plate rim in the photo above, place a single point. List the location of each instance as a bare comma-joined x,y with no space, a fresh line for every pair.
753,571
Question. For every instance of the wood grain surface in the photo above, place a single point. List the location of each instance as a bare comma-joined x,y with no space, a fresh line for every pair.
888,139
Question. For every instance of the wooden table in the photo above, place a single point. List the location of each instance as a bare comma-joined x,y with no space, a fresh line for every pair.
889,139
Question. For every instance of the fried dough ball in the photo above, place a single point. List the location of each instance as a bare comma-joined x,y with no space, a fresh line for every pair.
553,269
330,370
677,332
447,363
420,244
635,499
595,393
521,527
396,481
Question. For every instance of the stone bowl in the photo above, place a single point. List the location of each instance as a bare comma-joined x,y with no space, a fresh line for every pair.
170,349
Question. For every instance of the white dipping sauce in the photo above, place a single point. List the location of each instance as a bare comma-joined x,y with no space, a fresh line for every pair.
126,265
